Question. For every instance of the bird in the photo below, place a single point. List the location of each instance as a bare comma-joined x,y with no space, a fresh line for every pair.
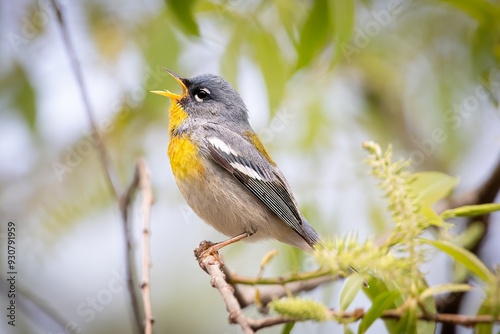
223,170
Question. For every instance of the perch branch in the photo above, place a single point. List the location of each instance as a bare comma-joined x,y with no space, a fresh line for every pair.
147,202
218,281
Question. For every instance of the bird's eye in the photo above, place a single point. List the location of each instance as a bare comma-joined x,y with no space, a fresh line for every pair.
202,94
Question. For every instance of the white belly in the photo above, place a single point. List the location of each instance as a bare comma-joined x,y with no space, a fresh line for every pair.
224,203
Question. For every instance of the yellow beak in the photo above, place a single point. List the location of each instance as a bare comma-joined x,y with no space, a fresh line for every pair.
169,94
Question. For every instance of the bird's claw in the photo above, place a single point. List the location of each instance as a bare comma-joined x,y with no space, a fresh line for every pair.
207,248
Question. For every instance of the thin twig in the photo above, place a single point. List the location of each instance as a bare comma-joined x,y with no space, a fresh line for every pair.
103,153
29,304
246,293
218,281
357,314
147,202
130,266
109,171
234,306
269,293
280,280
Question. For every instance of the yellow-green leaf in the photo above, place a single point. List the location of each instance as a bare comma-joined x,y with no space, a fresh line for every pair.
471,210
272,68
408,322
444,288
432,216
430,187
343,16
465,257
287,329
382,302
351,288
230,58
314,33
183,12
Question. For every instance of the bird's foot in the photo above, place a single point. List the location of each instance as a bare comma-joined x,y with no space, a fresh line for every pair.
205,249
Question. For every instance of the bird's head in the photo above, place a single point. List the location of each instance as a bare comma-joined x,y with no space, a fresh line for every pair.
208,97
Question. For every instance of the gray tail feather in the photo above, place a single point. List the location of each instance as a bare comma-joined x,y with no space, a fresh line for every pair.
310,235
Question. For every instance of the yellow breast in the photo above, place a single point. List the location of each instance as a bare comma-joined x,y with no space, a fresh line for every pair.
183,154
184,158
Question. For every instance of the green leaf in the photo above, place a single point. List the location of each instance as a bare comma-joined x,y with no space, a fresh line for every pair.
343,17
408,322
16,84
25,100
429,187
314,33
287,12
347,329
468,238
351,288
432,216
231,56
484,309
484,42
465,257
183,11
384,301
443,288
480,10
471,210
273,68
287,329
377,287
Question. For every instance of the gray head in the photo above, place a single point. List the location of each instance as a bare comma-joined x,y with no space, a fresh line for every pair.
208,97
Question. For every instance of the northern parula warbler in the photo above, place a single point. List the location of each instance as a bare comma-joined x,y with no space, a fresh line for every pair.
224,172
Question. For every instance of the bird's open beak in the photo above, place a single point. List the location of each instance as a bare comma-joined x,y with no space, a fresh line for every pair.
169,94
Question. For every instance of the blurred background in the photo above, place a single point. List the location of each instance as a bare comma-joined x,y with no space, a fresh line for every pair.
319,77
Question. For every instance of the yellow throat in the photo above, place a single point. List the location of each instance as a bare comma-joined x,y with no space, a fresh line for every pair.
183,153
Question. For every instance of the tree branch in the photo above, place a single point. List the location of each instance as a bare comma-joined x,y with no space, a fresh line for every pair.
280,280
234,305
245,294
130,267
485,194
75,65
218,281
107,166
147,202
358,314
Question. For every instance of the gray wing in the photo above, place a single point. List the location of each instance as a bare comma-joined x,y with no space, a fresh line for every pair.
247,166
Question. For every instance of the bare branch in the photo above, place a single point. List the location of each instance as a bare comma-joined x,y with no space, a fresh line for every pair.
280,280
246,294
75,65
486,193
357,314
130,266
107,166
218,281
491,186
147,202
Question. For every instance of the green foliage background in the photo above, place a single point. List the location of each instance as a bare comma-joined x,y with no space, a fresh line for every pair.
319,77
